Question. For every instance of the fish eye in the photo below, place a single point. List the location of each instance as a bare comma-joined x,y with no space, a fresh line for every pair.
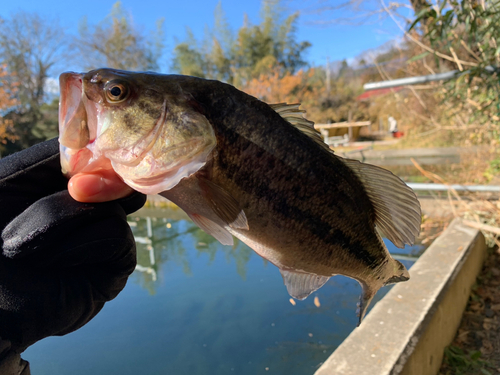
116,92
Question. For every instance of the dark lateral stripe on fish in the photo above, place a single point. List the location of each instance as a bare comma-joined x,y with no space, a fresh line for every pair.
244,177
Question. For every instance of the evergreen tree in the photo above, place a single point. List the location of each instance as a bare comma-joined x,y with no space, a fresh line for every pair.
256,49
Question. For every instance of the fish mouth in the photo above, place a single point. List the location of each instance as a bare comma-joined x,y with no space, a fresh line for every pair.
74,161
77,124
73,127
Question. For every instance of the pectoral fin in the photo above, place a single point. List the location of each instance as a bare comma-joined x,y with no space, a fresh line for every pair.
224,205
300,284
215,230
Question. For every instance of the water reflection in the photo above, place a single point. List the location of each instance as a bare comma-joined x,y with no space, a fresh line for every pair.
162,240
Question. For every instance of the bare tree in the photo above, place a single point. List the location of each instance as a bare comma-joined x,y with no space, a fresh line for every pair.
31,48
360,12
117,43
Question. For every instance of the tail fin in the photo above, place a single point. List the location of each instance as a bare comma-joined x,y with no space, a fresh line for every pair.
364,300
369,291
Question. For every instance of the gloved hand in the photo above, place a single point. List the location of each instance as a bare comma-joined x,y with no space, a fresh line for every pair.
60,259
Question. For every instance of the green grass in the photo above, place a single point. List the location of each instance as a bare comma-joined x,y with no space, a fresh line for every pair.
460,362
493,169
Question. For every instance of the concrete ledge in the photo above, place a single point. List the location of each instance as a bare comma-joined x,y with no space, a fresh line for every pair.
407,331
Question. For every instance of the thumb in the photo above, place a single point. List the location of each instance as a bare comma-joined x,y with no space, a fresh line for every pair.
100,186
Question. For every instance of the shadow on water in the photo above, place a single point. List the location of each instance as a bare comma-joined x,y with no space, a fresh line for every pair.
194,306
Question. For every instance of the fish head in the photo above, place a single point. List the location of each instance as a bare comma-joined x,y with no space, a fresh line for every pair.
140,124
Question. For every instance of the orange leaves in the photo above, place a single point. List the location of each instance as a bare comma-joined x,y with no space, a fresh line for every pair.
7,131
8,90
323,105
272,88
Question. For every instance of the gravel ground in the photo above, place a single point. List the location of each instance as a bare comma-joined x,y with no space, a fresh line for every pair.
476,348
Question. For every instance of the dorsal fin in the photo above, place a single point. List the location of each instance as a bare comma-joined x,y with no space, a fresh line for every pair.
295,116
291,110
397,209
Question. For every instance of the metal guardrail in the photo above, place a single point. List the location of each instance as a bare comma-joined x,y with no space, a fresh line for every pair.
345,124
443,187
420,79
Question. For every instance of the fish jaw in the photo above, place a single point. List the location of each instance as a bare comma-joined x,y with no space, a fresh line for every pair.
73,128
77,124
74,161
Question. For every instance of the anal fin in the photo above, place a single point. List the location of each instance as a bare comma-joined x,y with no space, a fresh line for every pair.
300,284
214,229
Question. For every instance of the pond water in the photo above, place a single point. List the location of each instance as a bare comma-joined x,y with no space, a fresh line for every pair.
194,306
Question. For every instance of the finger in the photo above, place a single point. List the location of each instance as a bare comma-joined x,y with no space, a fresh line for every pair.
100,186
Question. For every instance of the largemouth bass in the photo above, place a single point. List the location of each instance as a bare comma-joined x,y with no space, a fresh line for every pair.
240,167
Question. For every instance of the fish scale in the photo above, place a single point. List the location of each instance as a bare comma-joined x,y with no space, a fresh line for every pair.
241,176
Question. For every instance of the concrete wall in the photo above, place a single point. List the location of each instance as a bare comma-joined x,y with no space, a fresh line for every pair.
407,331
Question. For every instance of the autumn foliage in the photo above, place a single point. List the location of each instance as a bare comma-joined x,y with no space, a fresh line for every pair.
8,90
272,88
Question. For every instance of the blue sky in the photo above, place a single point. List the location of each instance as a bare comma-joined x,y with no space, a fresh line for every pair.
334,41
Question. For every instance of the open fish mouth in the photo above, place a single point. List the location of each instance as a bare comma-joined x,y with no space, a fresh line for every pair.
77,123
74,134
73,124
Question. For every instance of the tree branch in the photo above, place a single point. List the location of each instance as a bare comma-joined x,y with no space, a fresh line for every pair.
429,49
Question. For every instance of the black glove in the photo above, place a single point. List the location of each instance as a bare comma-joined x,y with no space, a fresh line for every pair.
61,260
